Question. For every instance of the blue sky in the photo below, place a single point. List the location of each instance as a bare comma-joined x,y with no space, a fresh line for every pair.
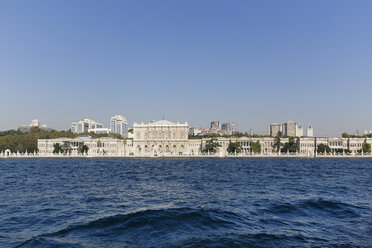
253,62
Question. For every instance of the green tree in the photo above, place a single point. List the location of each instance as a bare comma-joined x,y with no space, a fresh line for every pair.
290,146
277,144
83,148
35,129
234,147
57,148
66,147
211,146
338,150
18,141
345,135
366,147
322,148
256,147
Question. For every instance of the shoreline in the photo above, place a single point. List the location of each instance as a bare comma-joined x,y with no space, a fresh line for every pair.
197,157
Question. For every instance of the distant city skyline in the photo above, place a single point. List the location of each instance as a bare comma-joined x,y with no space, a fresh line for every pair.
250,62
277,130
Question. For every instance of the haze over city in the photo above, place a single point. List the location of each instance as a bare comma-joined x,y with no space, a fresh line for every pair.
251,62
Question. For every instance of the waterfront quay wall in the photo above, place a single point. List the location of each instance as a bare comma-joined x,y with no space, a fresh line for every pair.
201,155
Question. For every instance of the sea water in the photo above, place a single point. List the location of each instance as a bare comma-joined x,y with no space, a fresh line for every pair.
185,203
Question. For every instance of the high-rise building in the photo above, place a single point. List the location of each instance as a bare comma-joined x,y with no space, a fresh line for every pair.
119,125
275,129
215,125
300,131
83,126
290,129
229,127
309,131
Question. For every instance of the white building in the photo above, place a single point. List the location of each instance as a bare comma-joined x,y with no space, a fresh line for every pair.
229,127
101,130
355,144
307,145
215,125
119,125
309,132
337,144
195,131
290,129
160,138
83,126
300,131
275,129
101,146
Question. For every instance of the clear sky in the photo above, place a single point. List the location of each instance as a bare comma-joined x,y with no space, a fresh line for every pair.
252,62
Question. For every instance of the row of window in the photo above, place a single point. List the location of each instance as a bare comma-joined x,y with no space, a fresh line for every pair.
161,135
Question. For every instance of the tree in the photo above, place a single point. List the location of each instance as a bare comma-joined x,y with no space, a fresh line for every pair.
18,141
322,148
338,150
366,147
345,135
83,148
277,144
256,147
234,147
66,148
57,148
35,129
211,146
290,146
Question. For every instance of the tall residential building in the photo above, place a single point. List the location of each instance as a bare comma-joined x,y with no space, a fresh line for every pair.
84,126
290,129
215,125
229,127
119,125
309,131
300,131
275,129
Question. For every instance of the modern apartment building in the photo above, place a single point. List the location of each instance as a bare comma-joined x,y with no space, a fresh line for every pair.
229,127
300,131
290,129
309,132
85,126
275,129
215,125
119,125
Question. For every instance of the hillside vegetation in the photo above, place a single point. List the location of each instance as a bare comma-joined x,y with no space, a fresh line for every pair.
22,142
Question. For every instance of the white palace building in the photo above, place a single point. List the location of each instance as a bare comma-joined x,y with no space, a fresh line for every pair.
165,138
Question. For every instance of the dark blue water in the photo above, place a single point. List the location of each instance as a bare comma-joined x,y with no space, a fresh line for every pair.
186,203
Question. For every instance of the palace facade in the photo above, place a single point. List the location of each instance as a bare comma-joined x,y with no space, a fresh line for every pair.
160,137
165,138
